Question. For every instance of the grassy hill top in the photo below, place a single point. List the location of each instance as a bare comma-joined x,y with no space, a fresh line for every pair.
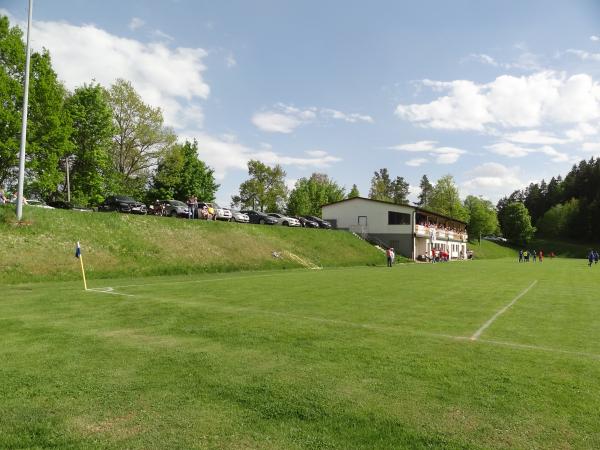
122,245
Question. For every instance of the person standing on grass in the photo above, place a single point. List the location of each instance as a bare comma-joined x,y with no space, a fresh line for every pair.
388,254
596,256
541,255
520,255
526,256
590,258
533,255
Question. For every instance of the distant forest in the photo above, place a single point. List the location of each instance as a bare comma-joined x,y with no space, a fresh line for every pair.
563,208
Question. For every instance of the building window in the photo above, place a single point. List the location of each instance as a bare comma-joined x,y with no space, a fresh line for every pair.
396,218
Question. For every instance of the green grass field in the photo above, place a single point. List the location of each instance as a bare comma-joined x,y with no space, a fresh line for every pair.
338,358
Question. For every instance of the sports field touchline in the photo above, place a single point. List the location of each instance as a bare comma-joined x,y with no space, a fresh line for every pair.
476,335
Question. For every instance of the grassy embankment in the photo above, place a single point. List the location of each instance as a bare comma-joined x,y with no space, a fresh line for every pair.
117,245
562,249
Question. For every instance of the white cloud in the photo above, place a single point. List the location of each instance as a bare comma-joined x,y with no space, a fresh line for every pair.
511,150
532,101
421,146
416,162
584,55
171,78
492,178
442,155
484,59
534,137
284,118
591,147
352,118
225,153
136,23
162,35
273,122
594,38
230,61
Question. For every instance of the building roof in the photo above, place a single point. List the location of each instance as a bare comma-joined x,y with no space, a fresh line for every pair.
416,208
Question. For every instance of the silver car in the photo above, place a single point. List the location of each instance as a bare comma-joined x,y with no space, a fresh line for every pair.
239,216
285,220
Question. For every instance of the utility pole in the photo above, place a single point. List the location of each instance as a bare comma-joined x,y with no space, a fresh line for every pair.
24,121
68,181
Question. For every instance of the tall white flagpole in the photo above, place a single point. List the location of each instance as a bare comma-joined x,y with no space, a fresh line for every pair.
24,121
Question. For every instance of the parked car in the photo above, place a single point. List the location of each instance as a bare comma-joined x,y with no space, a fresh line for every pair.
322,223
285,220
61,204
307,223
122,203
172,208
38,203
259,217
220,212
238,216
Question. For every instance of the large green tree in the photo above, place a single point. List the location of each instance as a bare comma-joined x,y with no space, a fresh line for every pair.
48,125
445,199
354,192
426,190
310,194
265,190
91,174
516,223
140,137
483,219
12,63
385,189
180,174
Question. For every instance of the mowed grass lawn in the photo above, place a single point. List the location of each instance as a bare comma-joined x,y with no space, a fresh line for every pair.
338,358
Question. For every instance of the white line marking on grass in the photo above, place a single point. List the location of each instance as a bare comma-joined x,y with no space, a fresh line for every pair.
109,290
502,311
539,348
243,277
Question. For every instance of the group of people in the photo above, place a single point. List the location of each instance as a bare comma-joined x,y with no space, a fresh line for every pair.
6,198
526,255
438,226
593,257
200,210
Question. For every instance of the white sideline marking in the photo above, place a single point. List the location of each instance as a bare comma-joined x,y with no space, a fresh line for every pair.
502,311
109,290
233,278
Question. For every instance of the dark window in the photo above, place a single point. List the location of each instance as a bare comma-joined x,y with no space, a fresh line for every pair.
396,218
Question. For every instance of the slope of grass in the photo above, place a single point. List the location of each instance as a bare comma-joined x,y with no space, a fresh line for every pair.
367,357
491,250
126,245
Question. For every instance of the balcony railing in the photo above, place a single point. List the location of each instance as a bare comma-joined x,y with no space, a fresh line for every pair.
439,234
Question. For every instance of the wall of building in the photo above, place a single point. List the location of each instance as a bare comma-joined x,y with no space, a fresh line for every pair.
346,216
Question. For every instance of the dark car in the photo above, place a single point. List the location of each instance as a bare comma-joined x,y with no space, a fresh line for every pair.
322,223
307,223
124,204
259,217
172,208
61,204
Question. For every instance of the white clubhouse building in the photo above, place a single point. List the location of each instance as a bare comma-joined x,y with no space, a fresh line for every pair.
410,230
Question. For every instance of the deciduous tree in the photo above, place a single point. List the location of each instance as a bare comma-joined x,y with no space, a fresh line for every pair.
445,199
265,190
310,194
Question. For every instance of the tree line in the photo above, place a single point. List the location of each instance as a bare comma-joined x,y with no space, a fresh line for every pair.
566,208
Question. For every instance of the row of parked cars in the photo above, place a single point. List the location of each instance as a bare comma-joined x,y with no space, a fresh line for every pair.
207,211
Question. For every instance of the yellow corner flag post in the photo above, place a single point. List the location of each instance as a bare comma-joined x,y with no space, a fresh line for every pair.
80,257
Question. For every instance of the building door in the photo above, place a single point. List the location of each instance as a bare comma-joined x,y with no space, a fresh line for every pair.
362,220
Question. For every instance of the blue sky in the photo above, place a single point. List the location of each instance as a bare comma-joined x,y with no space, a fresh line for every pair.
497,94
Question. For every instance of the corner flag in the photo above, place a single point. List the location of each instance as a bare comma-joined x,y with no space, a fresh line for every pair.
79,256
